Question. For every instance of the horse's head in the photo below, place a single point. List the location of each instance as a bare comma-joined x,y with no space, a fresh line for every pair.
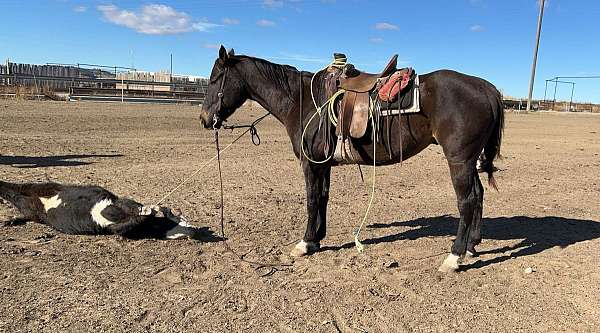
226,90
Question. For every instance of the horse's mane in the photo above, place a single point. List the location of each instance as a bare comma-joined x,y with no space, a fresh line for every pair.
284,75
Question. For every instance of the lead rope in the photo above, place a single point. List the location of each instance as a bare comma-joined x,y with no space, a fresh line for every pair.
273,267
220,175
251,127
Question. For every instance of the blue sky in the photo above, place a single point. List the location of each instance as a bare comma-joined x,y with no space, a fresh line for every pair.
492,39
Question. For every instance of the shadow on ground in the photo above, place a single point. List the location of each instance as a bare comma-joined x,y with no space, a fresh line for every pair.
50,161
536,234
158,227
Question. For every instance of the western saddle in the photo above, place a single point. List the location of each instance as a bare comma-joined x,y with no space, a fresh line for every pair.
357,101
357,81
354,110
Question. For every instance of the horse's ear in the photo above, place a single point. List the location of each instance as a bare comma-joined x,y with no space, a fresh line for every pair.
223,53
231,52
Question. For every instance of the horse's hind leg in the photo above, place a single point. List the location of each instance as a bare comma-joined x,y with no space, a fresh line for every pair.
475,234
463,179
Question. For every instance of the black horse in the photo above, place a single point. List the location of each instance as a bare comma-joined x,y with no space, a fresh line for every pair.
463,114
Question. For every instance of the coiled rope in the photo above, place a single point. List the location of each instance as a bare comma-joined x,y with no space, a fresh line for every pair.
339,62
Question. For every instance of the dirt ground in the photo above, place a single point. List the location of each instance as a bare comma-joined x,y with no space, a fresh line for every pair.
546,217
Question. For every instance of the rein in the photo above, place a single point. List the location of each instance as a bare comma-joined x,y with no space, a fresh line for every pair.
273,267
251,128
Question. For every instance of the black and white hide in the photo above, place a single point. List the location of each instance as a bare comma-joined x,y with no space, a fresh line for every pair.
92,210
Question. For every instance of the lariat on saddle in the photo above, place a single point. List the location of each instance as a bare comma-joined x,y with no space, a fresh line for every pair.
326,112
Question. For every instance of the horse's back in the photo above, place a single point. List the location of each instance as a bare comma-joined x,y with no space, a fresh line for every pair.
463,111
458,84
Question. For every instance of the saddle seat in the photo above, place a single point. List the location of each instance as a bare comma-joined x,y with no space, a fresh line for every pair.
358,81
358,86
355,107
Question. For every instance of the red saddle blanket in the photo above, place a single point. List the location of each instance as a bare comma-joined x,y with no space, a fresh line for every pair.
395,84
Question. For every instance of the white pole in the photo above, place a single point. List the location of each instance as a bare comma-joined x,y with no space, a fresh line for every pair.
535,53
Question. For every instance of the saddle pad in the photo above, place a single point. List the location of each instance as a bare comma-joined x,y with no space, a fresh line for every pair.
396,83
408,102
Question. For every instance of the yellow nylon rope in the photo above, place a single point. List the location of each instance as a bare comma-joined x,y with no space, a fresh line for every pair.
357,243
331,111
330,103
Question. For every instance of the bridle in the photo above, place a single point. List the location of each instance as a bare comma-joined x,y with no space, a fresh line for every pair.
220,95
251,127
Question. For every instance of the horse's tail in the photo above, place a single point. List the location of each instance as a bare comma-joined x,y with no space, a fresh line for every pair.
492,147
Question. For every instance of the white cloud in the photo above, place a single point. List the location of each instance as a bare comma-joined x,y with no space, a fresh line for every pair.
299,58
476,28
154,20
80,9
272,3
385,26
376,40
265,23
211,46
230,21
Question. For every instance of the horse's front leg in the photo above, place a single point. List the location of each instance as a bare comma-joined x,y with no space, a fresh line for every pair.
317,178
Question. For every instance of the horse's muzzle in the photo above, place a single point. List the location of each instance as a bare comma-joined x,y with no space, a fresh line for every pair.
205,119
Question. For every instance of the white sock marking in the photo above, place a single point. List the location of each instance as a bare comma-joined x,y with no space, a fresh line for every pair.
451,261
302,246
97,209
50,203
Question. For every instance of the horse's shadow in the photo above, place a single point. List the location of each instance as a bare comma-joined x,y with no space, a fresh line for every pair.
50,161
536,234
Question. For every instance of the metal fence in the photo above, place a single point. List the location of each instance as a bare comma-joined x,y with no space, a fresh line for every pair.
74,83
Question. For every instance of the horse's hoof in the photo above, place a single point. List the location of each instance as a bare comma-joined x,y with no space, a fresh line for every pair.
304,248
450,264
471,254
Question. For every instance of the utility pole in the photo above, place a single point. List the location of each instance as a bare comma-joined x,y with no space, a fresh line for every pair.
535,53
171,71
